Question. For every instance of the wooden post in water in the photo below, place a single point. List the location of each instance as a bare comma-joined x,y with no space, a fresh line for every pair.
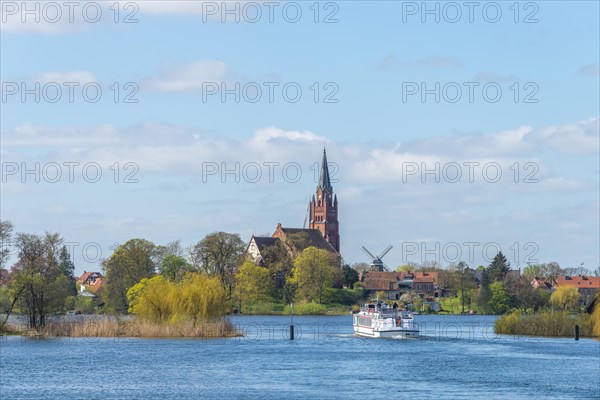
292,321
576,332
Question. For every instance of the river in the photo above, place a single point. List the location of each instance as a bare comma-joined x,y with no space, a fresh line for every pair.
457,357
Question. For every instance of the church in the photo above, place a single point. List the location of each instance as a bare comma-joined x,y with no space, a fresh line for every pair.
321,227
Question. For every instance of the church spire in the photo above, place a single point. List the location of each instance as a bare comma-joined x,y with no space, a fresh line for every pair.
324,181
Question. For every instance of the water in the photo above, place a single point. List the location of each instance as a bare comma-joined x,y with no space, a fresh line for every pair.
459,357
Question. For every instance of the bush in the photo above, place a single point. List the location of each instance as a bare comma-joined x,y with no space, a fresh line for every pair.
345,297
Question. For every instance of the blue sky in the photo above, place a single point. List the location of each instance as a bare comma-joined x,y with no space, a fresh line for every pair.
544,123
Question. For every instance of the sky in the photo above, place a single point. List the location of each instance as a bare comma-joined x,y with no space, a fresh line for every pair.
452,129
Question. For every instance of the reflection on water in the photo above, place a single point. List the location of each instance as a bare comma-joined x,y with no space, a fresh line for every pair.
456,357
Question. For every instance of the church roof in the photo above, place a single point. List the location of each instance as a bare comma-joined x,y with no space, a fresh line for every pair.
313,237
324,180
265,241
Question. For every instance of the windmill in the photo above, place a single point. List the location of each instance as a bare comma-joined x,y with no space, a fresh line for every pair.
377,264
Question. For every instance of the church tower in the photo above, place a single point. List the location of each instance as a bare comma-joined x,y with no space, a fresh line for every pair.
323,208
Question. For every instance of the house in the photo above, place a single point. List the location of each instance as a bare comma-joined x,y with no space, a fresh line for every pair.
425,283
91,281
257,245
394,284
4,276
542,283
587,286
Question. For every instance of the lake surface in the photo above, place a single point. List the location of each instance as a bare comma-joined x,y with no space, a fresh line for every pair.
458,357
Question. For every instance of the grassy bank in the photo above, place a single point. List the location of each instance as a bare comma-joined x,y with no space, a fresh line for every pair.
299,309
111,327
547,323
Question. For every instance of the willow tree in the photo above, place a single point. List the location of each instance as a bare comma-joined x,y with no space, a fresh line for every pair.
196,297
566,298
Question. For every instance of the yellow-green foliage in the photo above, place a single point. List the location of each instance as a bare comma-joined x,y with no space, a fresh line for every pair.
565,298
196,297
314,271
543,324
199,297
253,284
596,317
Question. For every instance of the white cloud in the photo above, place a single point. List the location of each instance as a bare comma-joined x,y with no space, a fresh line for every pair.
270,135
187,78
579,138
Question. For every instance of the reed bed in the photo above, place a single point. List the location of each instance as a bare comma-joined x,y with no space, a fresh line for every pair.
547,323
111,327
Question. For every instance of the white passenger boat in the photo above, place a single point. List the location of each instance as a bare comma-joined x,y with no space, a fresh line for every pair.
380,320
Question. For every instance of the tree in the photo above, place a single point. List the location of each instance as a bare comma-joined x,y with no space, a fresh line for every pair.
361,267
551,270
464,280
279,263
253,283
405,268
129,264
498,269
6,229
39,286
174,267
170,249
532,271
219,254
566,298
196,297
152,298
314,271
499,300
200,297
67,268
349,276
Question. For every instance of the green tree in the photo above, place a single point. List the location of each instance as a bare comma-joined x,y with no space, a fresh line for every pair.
314,271
565,298
253,284
277,260
67,268
219,254
498,269
39,287
128,265
174,267
349,276
499,300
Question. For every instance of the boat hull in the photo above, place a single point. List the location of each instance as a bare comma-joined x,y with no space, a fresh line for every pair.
392,333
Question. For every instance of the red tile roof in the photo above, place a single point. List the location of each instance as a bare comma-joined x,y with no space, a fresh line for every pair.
582,281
